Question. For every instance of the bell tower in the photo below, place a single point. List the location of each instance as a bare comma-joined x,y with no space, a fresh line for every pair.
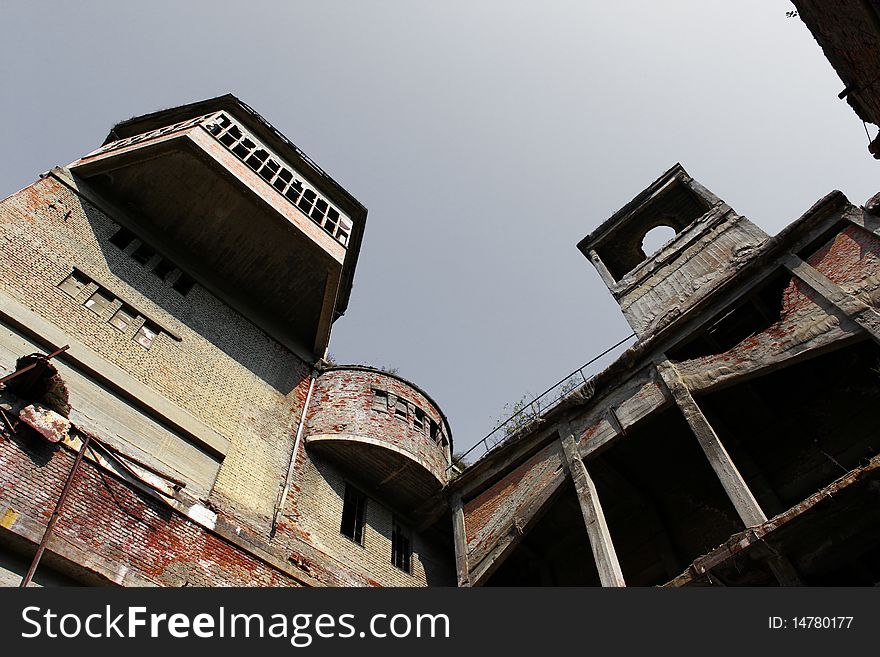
710,243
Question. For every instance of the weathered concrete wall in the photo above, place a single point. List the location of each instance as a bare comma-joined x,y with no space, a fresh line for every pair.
224,372
687,270
849,34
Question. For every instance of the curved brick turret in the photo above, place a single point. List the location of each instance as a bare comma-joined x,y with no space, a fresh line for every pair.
382,430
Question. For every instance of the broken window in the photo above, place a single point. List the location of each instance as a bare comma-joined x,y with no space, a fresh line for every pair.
99,301
123,318
419,420
183,284
146,334
401,547
401,409
353,513
272,169
380,400
74,284
121,238
143,253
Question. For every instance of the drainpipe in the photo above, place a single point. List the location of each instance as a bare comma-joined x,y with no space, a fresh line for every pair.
299,431
57,512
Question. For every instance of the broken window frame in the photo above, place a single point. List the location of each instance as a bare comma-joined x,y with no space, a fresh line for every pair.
354,514
99,301
125,315
146,334
74,283
279,174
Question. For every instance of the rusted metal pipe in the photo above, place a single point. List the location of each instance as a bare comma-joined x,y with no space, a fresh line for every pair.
26,580
28,368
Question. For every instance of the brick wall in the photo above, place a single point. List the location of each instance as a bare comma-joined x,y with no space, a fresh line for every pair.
108,520
224,371
318,510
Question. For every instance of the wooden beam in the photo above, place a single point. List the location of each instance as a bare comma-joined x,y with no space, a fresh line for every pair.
607,563
852,307
459,535
743,501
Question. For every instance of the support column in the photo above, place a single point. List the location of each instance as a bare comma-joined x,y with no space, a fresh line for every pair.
607,564
459,536
734,485
854,308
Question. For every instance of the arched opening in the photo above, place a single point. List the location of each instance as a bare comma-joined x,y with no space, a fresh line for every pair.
656,238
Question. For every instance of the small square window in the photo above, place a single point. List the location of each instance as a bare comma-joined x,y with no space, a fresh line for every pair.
143,253
123,318
99,302
353,514
146,335
121,238
163,268
73,284
380,400
183,284
401,547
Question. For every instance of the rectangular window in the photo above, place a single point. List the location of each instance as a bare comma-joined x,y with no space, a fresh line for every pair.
146,334
419,420
401,547
123,318
143,253
163,268
99,301
121,238
400,408
380,400
73,284
183,284
353,512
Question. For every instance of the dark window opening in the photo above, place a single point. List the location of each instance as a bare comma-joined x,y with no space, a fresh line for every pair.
401,547
400,409
121,238
419,420
143,253
353,513
73,284
183,284
163,268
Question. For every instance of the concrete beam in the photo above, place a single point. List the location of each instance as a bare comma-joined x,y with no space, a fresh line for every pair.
734,485
607,563
459,535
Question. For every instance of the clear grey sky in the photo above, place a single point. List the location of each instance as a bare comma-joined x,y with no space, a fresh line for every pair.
486,138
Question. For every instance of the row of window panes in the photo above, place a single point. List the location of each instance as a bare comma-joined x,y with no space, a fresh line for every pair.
281,178
122,238
354,507
101,300
382,401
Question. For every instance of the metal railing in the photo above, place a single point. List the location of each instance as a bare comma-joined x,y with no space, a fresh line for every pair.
526,413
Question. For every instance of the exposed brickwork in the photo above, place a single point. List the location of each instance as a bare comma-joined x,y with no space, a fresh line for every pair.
106,517
343,404
225,371
852,260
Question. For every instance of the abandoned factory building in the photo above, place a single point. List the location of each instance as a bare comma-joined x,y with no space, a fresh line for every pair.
168,418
